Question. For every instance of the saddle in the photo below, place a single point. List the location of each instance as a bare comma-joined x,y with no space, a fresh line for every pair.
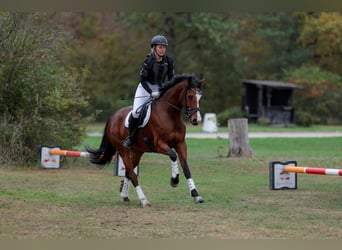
144,116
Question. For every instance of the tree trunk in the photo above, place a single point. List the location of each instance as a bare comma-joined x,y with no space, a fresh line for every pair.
238,138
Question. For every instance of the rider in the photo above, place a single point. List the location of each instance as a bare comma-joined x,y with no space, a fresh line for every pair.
156,66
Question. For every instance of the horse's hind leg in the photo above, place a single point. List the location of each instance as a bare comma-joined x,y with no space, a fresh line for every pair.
141,196
124,193
124,187
130,161
143,200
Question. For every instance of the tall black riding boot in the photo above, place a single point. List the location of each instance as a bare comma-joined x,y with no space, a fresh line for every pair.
132,128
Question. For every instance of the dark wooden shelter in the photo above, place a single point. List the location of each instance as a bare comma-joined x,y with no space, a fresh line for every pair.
270,100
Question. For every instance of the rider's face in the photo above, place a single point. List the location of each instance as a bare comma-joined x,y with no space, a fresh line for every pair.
160,50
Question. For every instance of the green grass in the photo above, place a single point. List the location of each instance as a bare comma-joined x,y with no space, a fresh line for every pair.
80,201
314,128
213,170
98,127
307,149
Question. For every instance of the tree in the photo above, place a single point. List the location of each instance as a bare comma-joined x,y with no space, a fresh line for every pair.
320,99
322,33
39,96
110,53
269,44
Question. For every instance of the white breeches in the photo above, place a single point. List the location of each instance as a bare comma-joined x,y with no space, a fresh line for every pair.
141,97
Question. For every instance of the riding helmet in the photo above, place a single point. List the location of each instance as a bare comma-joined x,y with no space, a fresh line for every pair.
159,40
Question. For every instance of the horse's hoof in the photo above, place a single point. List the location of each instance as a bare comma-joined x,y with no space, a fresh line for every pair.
174,182
145,203
198,199
126,199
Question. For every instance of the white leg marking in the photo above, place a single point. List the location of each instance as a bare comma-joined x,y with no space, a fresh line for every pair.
174,169
191,184
144,202
125,188
140,193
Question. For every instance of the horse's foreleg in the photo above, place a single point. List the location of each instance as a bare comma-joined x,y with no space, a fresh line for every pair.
193,191
174,168
174,174
191,183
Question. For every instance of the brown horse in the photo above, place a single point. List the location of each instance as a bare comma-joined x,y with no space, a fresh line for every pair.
164,134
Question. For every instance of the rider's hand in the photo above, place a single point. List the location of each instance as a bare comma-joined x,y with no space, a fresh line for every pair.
155,94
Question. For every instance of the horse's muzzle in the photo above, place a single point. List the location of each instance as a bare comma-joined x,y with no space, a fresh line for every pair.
194,121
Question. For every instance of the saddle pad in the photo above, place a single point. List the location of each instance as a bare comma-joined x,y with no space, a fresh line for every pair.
144,119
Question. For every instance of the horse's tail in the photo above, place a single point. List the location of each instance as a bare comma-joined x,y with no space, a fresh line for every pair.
104,154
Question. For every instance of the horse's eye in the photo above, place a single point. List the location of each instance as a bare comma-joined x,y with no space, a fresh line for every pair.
190,97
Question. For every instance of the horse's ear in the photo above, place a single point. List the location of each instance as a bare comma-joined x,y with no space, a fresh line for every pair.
202,81
189,80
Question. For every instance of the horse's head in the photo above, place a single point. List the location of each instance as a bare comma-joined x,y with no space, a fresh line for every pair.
189,93
192,96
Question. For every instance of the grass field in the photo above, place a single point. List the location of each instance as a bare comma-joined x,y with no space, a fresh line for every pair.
79,201
252,127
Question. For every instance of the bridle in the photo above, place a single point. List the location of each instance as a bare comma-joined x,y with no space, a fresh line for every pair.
190,111
186,109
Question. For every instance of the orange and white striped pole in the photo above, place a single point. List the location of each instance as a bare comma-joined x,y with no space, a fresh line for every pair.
70,153
50,156
312,170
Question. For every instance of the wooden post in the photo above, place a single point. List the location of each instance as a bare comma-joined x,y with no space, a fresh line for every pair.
238,138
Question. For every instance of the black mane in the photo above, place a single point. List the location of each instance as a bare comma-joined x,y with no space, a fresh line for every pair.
177,79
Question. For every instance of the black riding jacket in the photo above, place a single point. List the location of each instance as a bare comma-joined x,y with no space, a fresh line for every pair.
155,72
